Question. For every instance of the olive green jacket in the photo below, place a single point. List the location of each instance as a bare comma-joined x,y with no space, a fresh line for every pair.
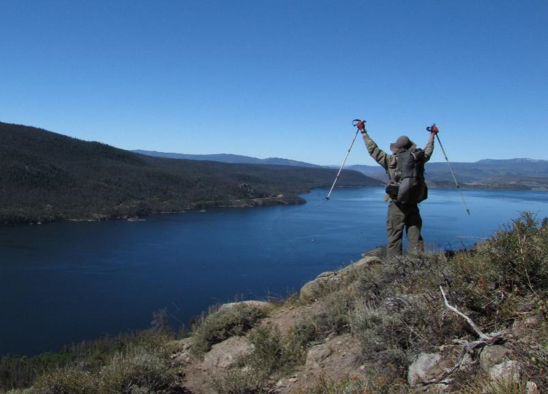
388,161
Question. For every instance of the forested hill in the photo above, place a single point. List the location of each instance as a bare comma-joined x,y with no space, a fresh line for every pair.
47,176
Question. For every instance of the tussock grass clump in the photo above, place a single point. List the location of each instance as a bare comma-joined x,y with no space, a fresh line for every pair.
354,385
272,356
69,380
336,314
21,372
223,324
482,384
138,371
140,366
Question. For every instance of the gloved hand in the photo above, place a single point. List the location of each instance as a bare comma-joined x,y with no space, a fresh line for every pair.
361,126
434,129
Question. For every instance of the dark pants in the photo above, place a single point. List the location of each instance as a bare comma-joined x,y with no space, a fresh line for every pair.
400,217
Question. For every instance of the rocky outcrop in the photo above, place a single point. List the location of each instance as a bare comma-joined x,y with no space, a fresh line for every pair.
327,281
431,368
339,356
498,362
182,356
425,367
263,305
342,355
225,354
494,355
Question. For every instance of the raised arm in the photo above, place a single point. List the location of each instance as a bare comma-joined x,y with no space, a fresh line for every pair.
429,148
380,156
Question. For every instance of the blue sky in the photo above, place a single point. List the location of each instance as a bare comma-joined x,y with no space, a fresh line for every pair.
280,78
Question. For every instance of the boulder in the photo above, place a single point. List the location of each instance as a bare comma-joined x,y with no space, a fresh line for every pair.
330,280
494,355
225,354
532,388
182,356
317,354
317,286
522,328
507,371
263,305
425,367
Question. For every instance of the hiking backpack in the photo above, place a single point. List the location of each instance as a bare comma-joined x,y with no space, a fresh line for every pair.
410,187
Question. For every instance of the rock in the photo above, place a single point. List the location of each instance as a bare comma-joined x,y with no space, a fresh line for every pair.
361,264
225,354
331,279
397,304
316,286
425,367
508,371
184,345
493,355
532,388
182,356
379,253
522,328
317,354
257,304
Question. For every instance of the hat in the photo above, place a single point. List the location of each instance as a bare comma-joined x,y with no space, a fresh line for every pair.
401,143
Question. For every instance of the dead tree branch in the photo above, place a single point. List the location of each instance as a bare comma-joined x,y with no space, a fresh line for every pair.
467,347
472,324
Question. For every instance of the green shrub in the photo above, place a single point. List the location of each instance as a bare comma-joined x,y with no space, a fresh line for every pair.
254,368
336,314
139,370
223,324
272,354
298,340
240,381
69,380
482,384
20,391
384,337
520,254
355,385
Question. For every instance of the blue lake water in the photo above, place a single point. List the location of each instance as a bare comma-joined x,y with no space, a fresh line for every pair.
66,282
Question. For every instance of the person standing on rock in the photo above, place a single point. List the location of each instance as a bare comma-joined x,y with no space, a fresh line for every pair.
406,188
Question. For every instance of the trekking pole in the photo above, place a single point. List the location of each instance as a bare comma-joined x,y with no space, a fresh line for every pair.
360,125
450,169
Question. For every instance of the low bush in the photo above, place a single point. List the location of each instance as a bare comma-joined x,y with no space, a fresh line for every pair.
21,372
142,367
69,380
223,324
355,385
298,340
272,355
139,370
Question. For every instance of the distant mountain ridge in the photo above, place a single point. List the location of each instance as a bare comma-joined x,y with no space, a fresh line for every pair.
513,174
228,158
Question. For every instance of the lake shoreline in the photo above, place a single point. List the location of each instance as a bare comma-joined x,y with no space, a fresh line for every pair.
247,203
278,200
97,217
